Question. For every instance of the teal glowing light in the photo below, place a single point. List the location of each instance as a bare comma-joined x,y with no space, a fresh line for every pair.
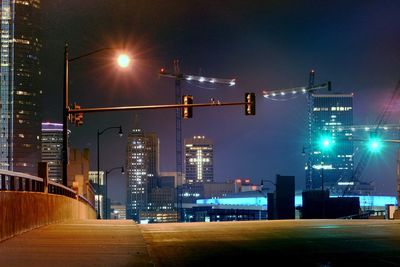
326,143
375,145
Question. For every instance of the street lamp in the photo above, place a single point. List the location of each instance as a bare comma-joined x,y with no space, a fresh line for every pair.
268,181
125,60
106,185
98,162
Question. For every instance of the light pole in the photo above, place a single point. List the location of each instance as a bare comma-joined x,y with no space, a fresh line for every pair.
269,205
106,185
123,62
269,181
98,164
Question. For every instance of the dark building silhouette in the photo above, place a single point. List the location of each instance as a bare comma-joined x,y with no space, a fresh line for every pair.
318,205
281,204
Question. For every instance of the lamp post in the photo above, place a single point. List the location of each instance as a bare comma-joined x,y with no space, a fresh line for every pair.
123,62
269,181
106,185
269,205
98,163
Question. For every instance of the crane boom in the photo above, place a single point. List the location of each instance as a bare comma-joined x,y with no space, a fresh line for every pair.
297,90
201,79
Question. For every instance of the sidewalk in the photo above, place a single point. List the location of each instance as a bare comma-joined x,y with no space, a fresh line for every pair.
78,244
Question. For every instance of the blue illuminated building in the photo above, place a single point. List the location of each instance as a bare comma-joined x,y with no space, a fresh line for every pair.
258,201
330,154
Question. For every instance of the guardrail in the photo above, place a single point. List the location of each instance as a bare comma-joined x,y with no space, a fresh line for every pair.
17,181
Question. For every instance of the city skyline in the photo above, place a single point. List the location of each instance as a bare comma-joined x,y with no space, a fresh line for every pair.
263,45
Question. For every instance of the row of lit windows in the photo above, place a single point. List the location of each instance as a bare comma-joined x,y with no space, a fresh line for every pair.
332,109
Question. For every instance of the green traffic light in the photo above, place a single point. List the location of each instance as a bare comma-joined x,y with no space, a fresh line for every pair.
326,143
375,145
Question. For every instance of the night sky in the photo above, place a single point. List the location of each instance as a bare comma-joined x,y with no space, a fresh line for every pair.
265,45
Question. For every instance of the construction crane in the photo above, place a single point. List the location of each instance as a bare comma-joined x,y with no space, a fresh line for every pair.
178,76
375,131
285,94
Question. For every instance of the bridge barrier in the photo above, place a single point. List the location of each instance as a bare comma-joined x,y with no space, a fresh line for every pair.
28,202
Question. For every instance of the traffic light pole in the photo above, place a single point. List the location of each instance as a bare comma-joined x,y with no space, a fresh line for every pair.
65,120
127,108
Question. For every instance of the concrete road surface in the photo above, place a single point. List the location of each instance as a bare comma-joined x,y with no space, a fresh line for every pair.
275,243
264,243
97,243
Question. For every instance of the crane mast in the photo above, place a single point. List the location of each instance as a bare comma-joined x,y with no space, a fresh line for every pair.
178,76
310,142
308,90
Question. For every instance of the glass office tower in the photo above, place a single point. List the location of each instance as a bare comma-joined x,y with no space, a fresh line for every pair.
20,86
331,166
142,164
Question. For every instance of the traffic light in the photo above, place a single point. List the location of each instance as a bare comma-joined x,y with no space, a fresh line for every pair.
76,118
187,112
326,143
374,143
250,104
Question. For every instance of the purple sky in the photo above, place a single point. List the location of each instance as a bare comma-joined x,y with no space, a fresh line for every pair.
264,44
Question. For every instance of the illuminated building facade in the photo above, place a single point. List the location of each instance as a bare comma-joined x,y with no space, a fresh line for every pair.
20,85
52,149
199,160
99,188
142,163
331,166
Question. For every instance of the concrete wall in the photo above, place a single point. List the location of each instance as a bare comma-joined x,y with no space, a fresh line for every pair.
23,211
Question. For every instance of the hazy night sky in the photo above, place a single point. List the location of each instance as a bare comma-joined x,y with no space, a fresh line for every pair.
264,44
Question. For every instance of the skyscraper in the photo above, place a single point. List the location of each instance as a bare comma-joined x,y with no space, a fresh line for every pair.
199,160
98,185
52,149
20,85
331,166
142,163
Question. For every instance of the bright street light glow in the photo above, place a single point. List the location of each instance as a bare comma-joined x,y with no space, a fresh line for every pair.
123,61
375,145
326,143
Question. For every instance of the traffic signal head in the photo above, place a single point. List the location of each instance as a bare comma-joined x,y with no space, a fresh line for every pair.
250,104
326,143
76,118
375,144
187,112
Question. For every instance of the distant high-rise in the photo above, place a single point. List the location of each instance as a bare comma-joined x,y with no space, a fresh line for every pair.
52,149
20,86
199,160
99,188
334,165
142,163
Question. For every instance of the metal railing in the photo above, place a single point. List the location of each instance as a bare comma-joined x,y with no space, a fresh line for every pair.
17,181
